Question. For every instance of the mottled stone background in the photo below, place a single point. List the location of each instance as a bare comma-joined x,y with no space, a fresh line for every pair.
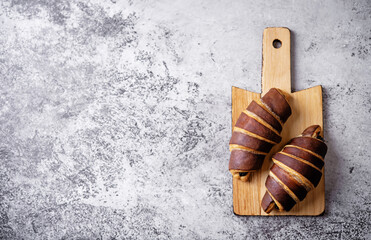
115,116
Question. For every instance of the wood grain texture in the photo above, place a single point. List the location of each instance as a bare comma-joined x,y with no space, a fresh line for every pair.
306,110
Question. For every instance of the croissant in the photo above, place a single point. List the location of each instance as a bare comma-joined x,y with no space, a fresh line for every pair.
297,169
256,131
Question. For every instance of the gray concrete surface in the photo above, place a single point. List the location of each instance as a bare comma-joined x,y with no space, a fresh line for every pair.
115,116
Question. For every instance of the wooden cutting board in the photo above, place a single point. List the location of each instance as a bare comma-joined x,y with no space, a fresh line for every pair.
307,110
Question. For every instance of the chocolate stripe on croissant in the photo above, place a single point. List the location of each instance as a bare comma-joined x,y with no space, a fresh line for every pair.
301,160
296,170
310,173
256,131
251,142
246,161
279,194
283,110
311,131
284,186
267,109
305,150
240,130
265,115
310,143
261,121
299,191
242,148
250,124
308,185
304,155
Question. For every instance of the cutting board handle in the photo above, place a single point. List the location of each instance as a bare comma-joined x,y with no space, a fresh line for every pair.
276,69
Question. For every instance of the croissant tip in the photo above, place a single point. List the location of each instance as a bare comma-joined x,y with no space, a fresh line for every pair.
313,131
243,176
285,94
267,203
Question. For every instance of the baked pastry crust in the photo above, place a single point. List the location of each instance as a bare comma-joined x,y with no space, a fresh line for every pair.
257,130
297,169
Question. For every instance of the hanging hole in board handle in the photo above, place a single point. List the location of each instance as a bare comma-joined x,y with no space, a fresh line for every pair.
277,43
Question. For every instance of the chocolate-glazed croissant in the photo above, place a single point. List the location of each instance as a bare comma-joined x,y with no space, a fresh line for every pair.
297,169
256,131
